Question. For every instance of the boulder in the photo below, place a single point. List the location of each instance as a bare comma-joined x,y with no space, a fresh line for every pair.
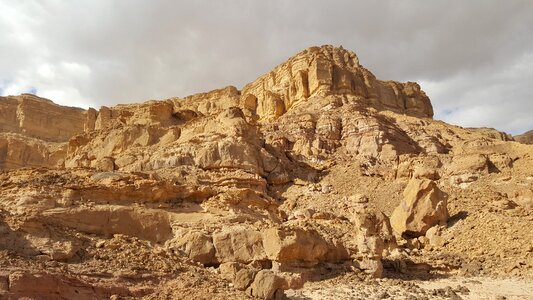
434,236
238,244
463,181
524,198
423,206
374,233
294,244
198,247
244,278
265,285
229,270
106,164
469,164
372,267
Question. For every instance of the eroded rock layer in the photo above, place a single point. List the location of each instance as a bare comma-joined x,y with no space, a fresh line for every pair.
252,193
326,70
40,118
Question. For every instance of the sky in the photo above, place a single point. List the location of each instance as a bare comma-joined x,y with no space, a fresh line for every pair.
473,58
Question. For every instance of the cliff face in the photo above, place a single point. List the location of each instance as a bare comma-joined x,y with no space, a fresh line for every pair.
326,70
307,77
298,171
40,118
33,131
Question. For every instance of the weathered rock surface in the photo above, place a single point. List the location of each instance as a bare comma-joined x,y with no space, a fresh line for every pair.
40,118
424,205
265,285
18,151
232,194
322,71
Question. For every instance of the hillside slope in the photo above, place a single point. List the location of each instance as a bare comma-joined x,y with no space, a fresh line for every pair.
525,138
316,170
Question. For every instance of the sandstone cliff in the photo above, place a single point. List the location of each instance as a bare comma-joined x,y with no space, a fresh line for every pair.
323,71
252,193
33,131
40,118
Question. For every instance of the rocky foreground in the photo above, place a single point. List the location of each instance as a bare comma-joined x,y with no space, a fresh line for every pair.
315,181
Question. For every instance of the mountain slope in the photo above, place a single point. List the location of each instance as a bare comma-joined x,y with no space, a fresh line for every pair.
292,179
525,138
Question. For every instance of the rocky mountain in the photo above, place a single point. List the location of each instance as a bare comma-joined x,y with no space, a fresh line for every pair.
525,138
315,170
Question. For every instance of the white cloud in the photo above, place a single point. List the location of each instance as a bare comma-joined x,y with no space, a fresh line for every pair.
46,71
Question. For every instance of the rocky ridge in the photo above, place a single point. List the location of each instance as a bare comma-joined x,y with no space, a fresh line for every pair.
326,70
255,192
525,138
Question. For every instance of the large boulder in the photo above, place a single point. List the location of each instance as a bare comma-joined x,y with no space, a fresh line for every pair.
294,244
198,247
469,164
244,278
238,244
423,206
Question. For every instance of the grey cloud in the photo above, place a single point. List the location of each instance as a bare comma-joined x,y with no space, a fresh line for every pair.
501,98
466,54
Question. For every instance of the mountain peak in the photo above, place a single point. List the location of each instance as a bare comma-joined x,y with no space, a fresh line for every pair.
328,70
337,55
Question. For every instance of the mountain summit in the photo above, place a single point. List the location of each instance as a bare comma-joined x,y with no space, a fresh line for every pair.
327,70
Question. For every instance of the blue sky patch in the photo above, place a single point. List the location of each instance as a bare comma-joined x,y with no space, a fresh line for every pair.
32,90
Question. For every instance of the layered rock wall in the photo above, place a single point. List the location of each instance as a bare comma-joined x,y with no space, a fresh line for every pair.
321,71
40,118
18,151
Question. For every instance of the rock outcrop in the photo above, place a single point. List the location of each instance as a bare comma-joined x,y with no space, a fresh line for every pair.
323,71
40,118
525,138
424,205
253,192
18,151
33,131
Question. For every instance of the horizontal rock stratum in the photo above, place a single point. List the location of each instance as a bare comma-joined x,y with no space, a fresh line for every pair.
326,70
250,193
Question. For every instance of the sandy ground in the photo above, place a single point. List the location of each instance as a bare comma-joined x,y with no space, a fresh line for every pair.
446,288
486,288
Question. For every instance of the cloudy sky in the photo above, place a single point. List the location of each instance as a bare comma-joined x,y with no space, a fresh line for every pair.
473,58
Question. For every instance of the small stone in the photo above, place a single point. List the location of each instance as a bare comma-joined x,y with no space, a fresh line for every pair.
100,244
358,198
